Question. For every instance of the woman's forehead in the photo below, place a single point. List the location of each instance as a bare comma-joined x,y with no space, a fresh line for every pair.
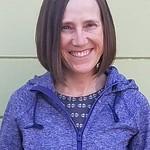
79,8
86,4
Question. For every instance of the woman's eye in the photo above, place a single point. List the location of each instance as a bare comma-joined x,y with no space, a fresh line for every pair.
90,26
66,28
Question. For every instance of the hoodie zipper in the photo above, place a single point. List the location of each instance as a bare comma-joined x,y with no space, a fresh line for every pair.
51,95
80,133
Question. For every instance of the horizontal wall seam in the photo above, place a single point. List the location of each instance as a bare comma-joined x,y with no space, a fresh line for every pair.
132,57
17,57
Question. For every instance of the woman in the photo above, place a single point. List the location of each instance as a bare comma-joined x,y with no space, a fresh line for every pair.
81,103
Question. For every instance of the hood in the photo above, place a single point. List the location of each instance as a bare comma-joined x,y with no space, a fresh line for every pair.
44,86
118,82
115,81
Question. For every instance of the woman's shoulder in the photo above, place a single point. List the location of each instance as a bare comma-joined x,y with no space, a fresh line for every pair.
131,95
136,102
23,98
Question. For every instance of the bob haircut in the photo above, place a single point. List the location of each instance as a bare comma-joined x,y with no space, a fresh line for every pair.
48,32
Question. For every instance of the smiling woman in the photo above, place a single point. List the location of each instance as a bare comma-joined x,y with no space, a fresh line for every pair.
82,102
81,37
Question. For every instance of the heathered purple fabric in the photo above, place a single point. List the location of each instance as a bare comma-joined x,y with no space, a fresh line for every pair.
120,119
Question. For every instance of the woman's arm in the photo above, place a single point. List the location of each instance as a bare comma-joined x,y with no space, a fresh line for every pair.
10,135
141,141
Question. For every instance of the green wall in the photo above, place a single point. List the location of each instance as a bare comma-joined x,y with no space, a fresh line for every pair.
18,61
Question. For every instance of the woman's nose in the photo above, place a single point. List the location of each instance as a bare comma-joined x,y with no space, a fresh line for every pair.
79,38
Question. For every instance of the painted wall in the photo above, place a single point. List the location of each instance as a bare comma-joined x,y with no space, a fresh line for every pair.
18,61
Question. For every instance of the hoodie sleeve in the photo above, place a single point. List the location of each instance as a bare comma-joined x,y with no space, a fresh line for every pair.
141,141
10,135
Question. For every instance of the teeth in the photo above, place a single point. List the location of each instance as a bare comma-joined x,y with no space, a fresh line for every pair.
80,53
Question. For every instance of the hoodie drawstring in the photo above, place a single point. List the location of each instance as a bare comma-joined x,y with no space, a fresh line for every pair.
112,107
40,127
35,124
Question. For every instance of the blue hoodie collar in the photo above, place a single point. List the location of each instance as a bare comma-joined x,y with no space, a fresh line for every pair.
117,81
44,86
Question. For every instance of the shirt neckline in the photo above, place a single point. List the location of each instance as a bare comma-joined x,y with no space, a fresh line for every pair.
89,96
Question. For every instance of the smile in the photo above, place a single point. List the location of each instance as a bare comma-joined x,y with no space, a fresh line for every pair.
80,53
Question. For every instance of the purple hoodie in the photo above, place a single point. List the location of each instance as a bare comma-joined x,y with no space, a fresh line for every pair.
36,119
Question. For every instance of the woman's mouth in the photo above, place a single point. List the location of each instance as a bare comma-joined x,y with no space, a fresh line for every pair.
80,53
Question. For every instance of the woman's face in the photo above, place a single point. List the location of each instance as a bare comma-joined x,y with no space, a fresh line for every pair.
81,36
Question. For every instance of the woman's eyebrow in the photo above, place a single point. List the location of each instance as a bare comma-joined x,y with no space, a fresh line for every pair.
67,22
86,21
91,21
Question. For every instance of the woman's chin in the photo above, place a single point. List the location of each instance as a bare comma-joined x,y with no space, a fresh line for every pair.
82,70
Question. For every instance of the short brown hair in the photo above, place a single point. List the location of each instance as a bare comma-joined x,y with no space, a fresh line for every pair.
48,37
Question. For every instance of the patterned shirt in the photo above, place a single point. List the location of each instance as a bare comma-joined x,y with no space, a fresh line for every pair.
79,107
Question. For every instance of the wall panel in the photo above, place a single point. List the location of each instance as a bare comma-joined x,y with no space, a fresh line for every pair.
132,25
17,27
18,21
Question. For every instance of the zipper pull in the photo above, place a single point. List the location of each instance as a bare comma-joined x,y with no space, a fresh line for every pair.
79,137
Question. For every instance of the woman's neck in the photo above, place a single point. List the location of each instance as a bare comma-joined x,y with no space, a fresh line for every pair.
81,85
